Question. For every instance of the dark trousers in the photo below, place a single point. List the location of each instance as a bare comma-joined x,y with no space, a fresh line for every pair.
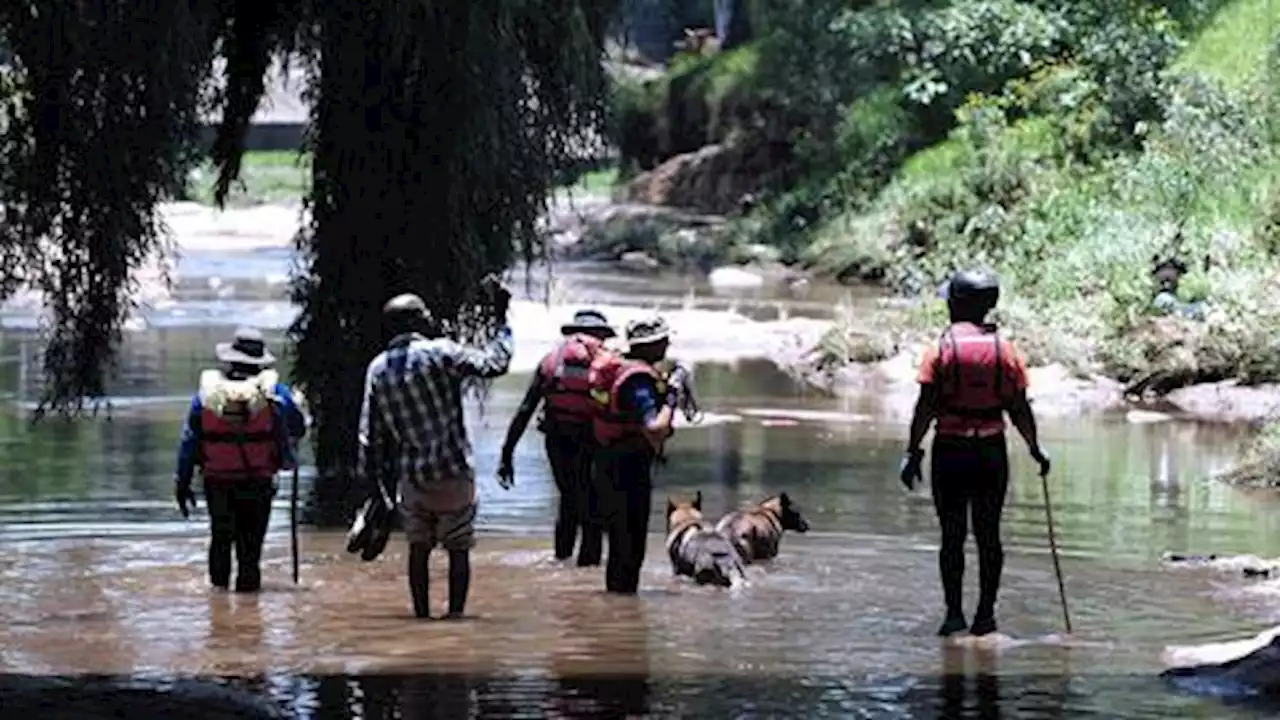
569,454
625,484
969,478
238,515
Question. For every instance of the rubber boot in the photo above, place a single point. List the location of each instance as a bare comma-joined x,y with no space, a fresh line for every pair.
984,621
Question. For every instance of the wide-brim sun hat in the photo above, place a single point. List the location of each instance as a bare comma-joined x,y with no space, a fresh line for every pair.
588,321
248,348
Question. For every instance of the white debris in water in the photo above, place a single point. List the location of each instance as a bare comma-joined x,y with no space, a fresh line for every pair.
1144,417
807,415
1216,653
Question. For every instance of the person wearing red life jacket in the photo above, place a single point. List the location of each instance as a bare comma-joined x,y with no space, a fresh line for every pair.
968,381
633,421
560,384
240,431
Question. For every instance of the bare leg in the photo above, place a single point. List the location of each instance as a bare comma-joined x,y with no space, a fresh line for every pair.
419,585
459,581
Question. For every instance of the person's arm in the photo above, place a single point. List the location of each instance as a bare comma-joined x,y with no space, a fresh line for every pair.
294,421
1017,405
926,408
657,412
922,417
189,445
490,361
369,455
528,406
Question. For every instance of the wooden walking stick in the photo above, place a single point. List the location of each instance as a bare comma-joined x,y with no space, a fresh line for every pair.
293,522
1053,549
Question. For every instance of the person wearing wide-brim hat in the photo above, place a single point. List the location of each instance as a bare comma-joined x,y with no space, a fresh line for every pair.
560,385
240,431
638,406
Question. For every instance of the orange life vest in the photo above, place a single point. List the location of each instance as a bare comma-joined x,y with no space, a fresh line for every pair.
239,437
970,377
612,424
566,378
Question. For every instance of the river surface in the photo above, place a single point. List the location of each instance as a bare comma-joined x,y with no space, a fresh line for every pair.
99,575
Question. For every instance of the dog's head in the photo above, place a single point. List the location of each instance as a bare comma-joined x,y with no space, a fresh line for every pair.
788,513
684,513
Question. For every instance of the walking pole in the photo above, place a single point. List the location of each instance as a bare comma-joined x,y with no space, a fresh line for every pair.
293,522
1053,549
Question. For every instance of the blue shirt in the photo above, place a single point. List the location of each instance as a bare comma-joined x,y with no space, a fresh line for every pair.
639,395
295,425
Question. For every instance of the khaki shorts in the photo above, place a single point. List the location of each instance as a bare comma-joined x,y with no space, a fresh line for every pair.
444,517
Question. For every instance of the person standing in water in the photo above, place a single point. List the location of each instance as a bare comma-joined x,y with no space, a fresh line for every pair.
636,408
240,430
968,381
414,441
561,385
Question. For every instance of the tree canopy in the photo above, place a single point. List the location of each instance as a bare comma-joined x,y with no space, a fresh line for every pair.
437,130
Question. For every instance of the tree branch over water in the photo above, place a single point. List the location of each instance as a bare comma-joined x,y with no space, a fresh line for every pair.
437,130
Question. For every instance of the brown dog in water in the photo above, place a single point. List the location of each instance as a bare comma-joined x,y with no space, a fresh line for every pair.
757,531
696,549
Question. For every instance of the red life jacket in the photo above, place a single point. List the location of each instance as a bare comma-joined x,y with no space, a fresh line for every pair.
970,376
566,380
239,438
612,424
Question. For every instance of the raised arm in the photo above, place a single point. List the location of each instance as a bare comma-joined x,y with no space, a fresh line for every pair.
490,361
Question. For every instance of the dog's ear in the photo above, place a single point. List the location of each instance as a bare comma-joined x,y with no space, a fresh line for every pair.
785,500
671,507
697,501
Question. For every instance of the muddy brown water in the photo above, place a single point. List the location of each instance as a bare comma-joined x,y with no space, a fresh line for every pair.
99,576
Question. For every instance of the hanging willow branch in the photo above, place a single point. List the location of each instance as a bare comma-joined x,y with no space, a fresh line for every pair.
438,128
433,178
102,107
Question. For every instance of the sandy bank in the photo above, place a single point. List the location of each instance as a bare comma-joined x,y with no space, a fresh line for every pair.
889,389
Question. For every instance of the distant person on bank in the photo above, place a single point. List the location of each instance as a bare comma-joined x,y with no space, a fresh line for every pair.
414,441
561,384
968,381
240,431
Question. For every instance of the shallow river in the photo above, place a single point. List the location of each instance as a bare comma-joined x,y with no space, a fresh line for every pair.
99,575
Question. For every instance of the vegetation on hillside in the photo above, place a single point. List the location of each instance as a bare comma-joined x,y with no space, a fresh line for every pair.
1063,144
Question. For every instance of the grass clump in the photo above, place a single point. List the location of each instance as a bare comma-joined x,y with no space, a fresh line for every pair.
1260,466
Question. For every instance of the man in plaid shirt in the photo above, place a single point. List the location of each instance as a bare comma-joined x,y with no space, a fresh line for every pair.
414,441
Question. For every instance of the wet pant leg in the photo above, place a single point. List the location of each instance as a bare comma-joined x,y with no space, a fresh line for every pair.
252,515
950,483
219,501
590,512
625,477
970,478
561,452
987,509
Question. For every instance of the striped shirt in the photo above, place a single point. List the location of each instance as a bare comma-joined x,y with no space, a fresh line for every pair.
411,424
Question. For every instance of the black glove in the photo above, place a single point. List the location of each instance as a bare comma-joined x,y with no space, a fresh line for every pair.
185,498
1040,456
909,470
676,383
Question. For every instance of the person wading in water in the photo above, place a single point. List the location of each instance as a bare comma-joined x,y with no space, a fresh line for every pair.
967,382
561,385
636,408
240,431
413,440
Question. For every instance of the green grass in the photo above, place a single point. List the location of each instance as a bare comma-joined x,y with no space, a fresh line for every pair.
1233,48
273,176
265,177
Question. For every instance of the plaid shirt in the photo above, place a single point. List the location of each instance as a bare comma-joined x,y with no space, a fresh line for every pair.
411,421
